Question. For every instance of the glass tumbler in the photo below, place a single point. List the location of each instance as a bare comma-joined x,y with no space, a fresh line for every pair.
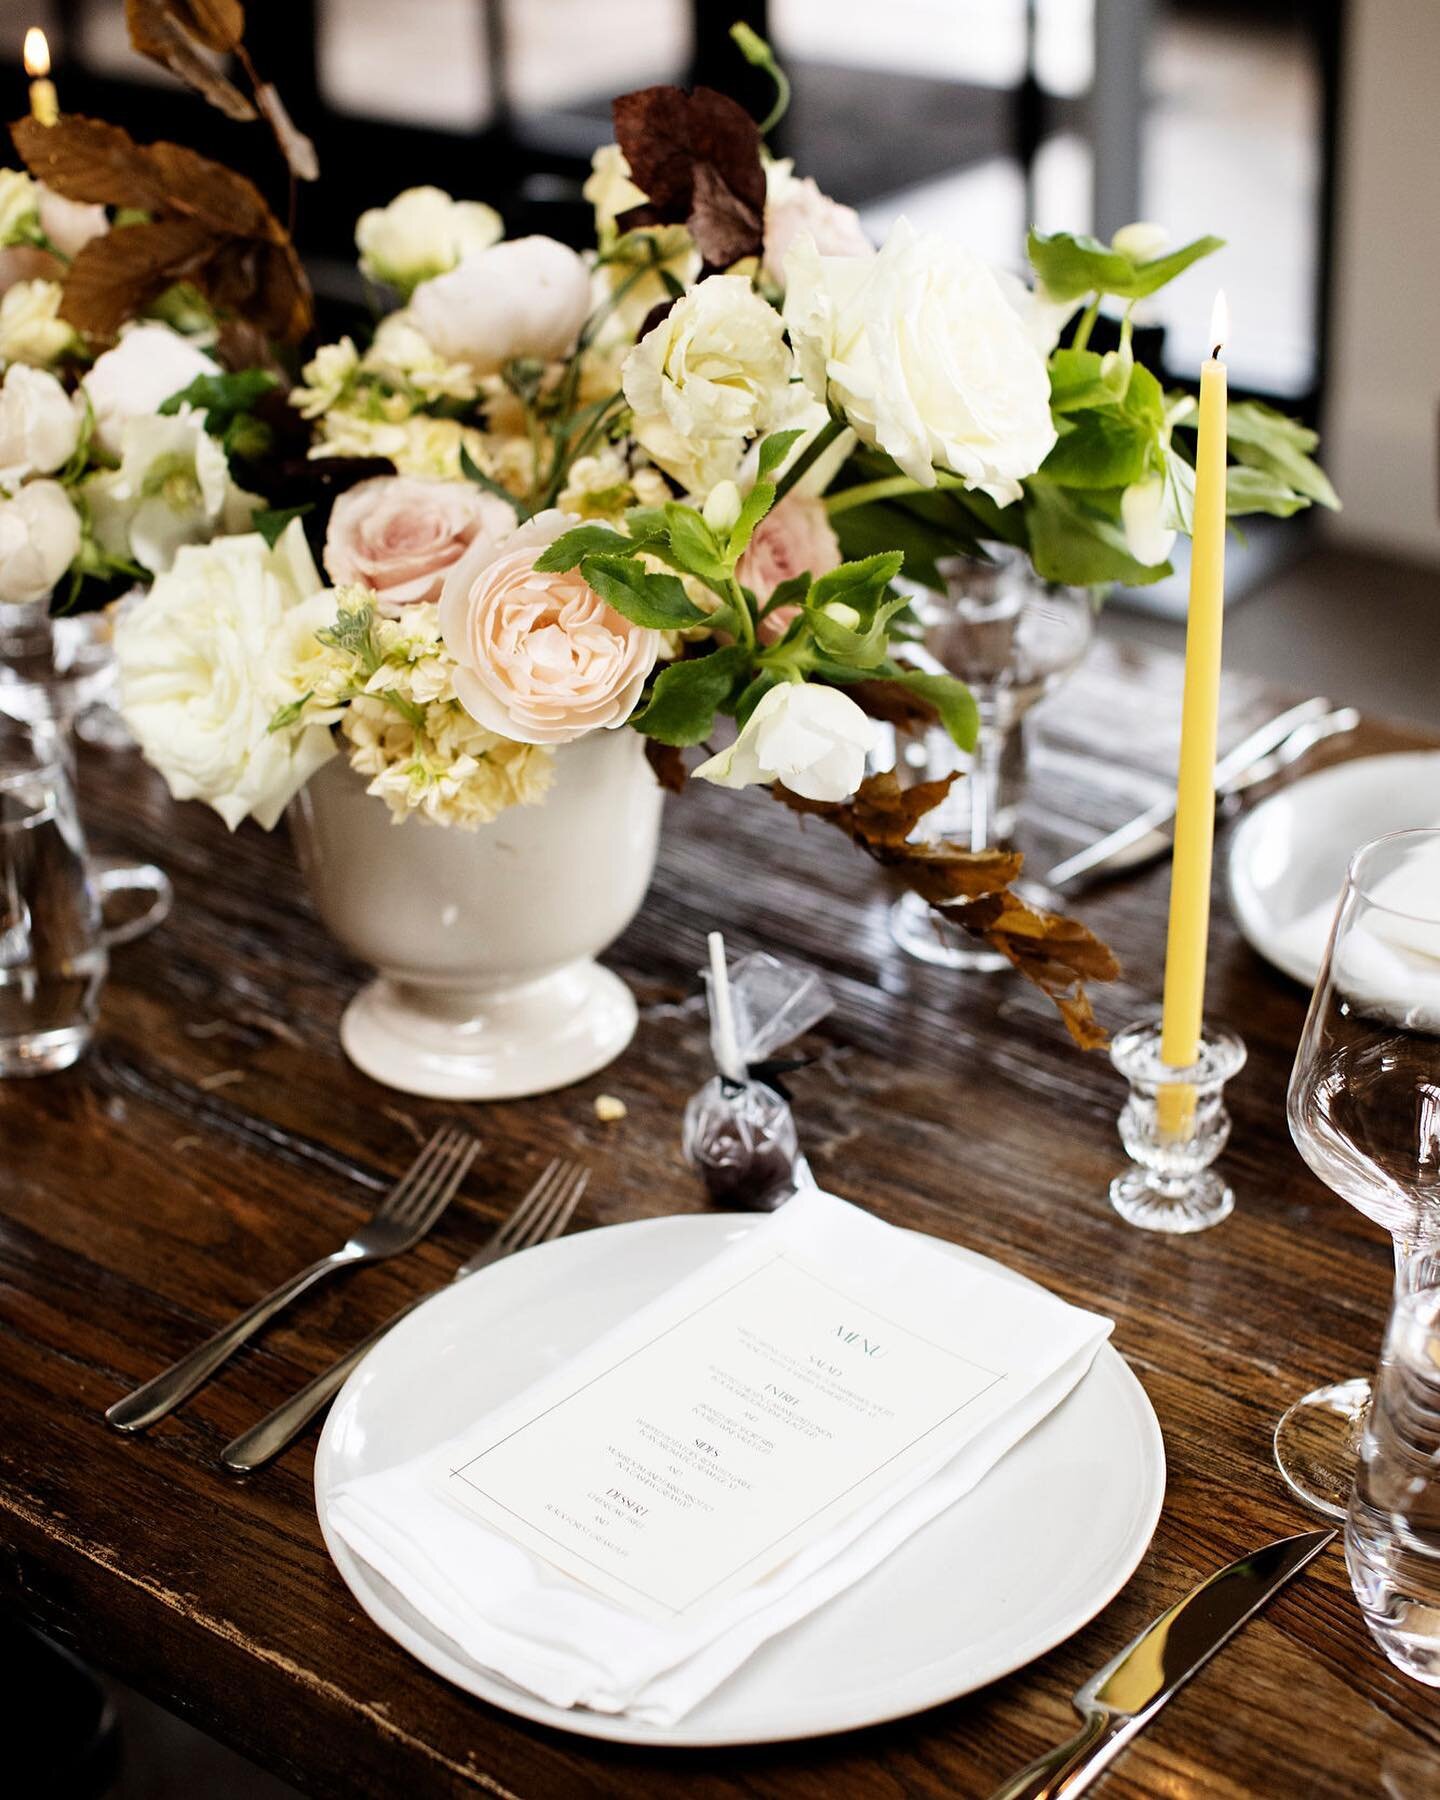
53,956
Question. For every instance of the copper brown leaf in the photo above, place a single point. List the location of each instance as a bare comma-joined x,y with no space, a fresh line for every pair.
1058,954
176,35
667,764
114,276
697,157
295,147
86,159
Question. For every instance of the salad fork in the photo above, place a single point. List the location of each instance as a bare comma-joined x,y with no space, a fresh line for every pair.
400,1221
543,1214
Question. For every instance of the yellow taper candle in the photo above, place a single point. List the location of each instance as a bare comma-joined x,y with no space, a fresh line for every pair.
1195,801
44,101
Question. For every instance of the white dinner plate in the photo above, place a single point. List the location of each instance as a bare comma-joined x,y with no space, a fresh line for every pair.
1017,1565
1290,854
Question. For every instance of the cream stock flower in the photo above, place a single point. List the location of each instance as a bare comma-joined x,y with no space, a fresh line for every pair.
542,659
927,358
525,298
31,330
710,375
39,539
401,352
422,233
209,656
814,739
610,190
327,378
397,535
39,425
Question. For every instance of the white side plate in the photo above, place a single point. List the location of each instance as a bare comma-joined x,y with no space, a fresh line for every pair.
1045,1541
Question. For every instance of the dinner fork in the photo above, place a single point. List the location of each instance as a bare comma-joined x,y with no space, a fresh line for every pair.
543,1214
400,1221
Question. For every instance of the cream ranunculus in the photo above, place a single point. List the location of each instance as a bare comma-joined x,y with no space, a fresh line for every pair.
711,374
422,233
929,361
542,659
39,425
31,329
172,488
39,539
796,207
209,656
813,739
528,297
149,365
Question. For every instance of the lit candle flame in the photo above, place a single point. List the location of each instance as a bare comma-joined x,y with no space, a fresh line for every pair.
1219,324
37,52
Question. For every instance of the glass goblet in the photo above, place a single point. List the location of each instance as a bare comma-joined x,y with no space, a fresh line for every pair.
1012,639
1364,1108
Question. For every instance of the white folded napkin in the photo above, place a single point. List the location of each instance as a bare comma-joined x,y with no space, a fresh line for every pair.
510,1612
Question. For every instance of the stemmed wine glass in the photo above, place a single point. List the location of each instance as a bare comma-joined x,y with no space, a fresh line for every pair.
1012,638
1364,1107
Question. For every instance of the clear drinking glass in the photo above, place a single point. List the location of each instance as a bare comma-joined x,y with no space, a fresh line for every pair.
1364,1107
1392,1531
1012,639
52,949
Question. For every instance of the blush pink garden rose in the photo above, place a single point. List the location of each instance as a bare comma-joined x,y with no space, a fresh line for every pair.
795,207
542,659
796,538
399,535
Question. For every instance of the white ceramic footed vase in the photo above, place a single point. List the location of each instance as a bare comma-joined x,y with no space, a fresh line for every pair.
485,940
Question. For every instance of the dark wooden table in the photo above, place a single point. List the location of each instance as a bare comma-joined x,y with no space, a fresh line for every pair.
215,1138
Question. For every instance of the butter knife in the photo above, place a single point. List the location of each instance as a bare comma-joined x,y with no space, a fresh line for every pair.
1280,741
1121,1699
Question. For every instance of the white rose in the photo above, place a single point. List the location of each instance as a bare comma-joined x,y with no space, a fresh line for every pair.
31,329
149,365
19,207
528,297
712,373
70,224
39,539
609,189
208,657
1142,511
929,361
39,425
422,233
814,739
172,488
796,207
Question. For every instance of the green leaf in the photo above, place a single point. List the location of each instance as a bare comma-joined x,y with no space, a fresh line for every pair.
1265,439
472,472
270,521
858,584
861,646
289,714
571,547
775,448
1179,510
644,522
222,395
687,695
1143,398
1076,538
757,503
1071,265
790,592
1250,490
695,545
952,700
1099,450
658,602
1077,380
246,437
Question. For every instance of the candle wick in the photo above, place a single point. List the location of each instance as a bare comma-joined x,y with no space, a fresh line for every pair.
1215,353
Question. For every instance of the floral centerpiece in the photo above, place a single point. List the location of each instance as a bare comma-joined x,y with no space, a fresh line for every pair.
667,482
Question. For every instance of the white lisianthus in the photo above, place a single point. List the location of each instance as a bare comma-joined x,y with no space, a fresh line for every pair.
326,379
528,297
31,329
1141,242
610,189
813,739
172,488
401,352
39,425
929,361
713,373
1142,512
39,539
210,655
422,233
19,207
149,365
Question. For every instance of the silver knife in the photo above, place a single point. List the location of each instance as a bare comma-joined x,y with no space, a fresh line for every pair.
1149,835
1123,1697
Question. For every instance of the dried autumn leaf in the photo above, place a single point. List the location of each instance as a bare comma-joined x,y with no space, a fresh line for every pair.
86,159
667,763
697,158
114,276
295,147
172,33
1059,955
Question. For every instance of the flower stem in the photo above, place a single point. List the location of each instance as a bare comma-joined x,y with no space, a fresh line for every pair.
888,488
1086,325
811,454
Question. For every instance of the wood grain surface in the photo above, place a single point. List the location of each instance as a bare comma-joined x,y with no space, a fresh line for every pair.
215,1138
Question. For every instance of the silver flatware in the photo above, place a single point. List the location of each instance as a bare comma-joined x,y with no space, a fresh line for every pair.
400,1221
1122,1698
543,1214
1268,750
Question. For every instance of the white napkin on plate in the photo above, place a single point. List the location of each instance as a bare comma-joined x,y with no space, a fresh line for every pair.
511,1613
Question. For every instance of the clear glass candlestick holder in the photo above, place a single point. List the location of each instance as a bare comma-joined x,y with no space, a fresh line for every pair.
1173,1127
